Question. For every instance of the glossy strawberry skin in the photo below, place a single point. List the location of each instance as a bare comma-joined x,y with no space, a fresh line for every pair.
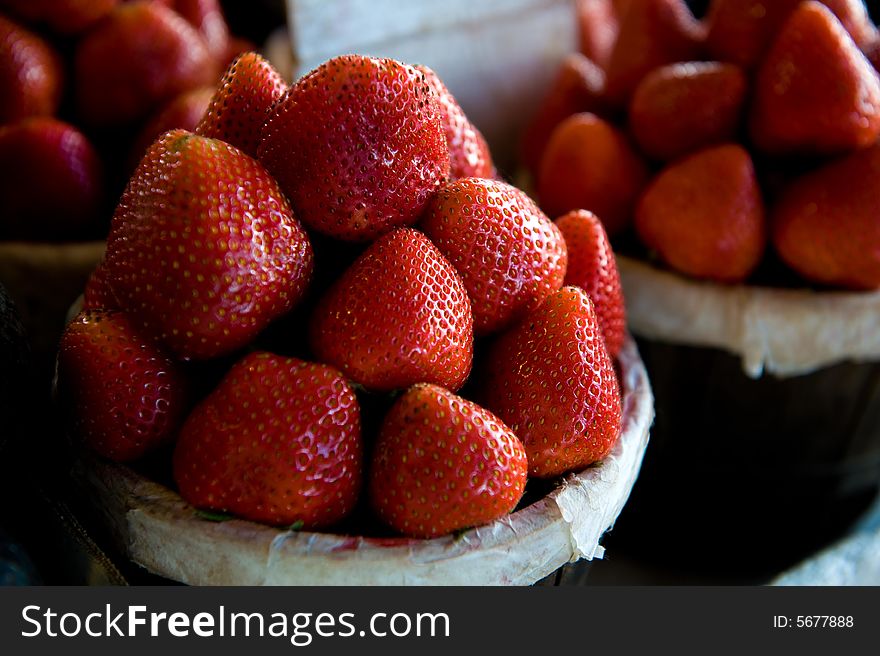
550,379
814,92
53,182
399,315
592,267
278,442
443,464
684,107
249,89
704,215
598,27
204,249
509,255
468,151
140,56
125,396
207,17
97,294
358,146
31,74
824,225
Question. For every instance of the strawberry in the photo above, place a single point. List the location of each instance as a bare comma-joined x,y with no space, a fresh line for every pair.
125,395
52,183
97,294
399,315
249,89
550,379
236,47
207,17
740,31
140,56
30,74
598,26
577,87
704,215
592,267
652,33
824,225
443,464
183,112
680,108
358,146
509,255
204,249
815,92
68,17
590,164
278,442
468,151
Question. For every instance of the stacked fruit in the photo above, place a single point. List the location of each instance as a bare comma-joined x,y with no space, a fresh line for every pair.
756,123
339,257
85,87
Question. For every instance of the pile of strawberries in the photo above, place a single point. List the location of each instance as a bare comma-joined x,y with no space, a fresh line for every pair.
85,87
323,296
756,124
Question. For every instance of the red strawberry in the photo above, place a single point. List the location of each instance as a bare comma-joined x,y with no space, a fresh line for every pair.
30,74
468,151
248,91
442,464
358,146
399,315
183,112
204,249
815,92
598,26
69,17
126,396
207,17
590,164
552,382
236,47
577,87
825,224
509,255
52,183
740,31
278,441
680,108
139,56
592,267
97,294
652,33
704,215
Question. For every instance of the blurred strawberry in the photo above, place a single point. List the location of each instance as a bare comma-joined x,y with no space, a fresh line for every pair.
704,215
204,249
443,464
358,146
592,267
577,87
278,441
551,381
740,31
509,255
124,395
825,224
237,46
248,91
52,183
140,56
30,74
598,26
68,17
814,92
590,164
652,33
468,151
183,112
399,315
207,17
680,108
